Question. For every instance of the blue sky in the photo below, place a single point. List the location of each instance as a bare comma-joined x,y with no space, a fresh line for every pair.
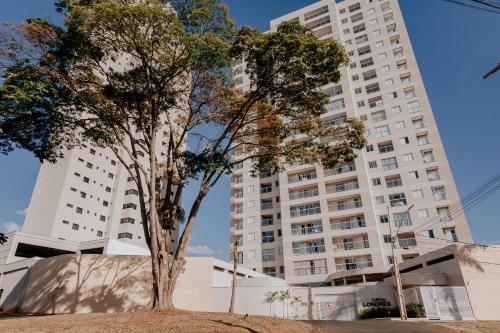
454,47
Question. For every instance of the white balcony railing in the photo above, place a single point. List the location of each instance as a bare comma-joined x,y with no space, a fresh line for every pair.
354,245
342,187
304,194
346,225
301,250
344,205
305,211
310,270
297,231
353,265
407,242
339,170
302,177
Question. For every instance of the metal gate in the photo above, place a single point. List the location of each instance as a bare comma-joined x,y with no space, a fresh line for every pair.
336,307
445,303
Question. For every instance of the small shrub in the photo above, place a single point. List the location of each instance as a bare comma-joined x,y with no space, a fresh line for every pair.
378,312
412,310
415,311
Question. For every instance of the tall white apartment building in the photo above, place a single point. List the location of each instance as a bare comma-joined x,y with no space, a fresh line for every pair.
314,226
87,195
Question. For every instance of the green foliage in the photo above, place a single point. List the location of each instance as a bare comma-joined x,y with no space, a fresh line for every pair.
412,310
415,311
379,312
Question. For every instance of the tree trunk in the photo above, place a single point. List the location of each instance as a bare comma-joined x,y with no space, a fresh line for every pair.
233,284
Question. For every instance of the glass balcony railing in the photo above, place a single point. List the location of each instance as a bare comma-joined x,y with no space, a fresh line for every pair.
301,250
339,170
303,194
239,242
342,187
346,225
267,189
394,183
354,245
297,231
266,205
305,211
344,205
302,177
310,271
407,242
238,226
353,265
266,222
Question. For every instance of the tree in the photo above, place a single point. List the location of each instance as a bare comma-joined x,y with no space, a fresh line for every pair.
233,282
119,71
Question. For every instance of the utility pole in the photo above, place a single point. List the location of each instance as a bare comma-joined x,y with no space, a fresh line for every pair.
395,267
233,285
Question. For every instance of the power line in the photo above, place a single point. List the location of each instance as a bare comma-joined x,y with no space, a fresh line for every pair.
472,199
488,3
472,6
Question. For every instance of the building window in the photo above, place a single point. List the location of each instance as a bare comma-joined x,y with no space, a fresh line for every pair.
83,194
125,235
387,239
413,174
408,157
65,221
383,219
431,233
130,205
376,181
132,191
102,218
99,233
439,193
372,164
105,203
418,194
108,189
423,213
79,210
402,219
389,163
382,131
267,236
75,226
398,199
86,179
110,175
89,165
380,199
127,220
404,140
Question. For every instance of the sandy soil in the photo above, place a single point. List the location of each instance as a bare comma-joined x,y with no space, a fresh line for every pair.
148,321
472,326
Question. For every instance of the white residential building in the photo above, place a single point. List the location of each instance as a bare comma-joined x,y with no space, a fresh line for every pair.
314,226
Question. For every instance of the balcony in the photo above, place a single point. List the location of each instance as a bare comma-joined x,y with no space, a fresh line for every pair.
393,183
344,205
266,205
342,187
238,210
306,210
303,194
266,222
266,189
238,226
239,260
306,230
302,177
407,242
347,225
267,238
340,170
239,242
310,270
313,249
353,245
353,265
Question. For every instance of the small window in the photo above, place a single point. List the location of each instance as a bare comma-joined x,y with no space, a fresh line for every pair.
92,151
380,199
79,210
383,219
372,164
86,179
387,239
89,165
75,226
99,233
376,181
83,194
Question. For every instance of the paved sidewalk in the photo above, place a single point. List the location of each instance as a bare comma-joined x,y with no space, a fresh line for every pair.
378,326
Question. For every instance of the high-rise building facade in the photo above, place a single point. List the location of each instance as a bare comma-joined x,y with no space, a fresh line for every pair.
316,226
88,195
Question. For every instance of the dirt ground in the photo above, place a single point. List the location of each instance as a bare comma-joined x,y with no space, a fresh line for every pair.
171,322
472,326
